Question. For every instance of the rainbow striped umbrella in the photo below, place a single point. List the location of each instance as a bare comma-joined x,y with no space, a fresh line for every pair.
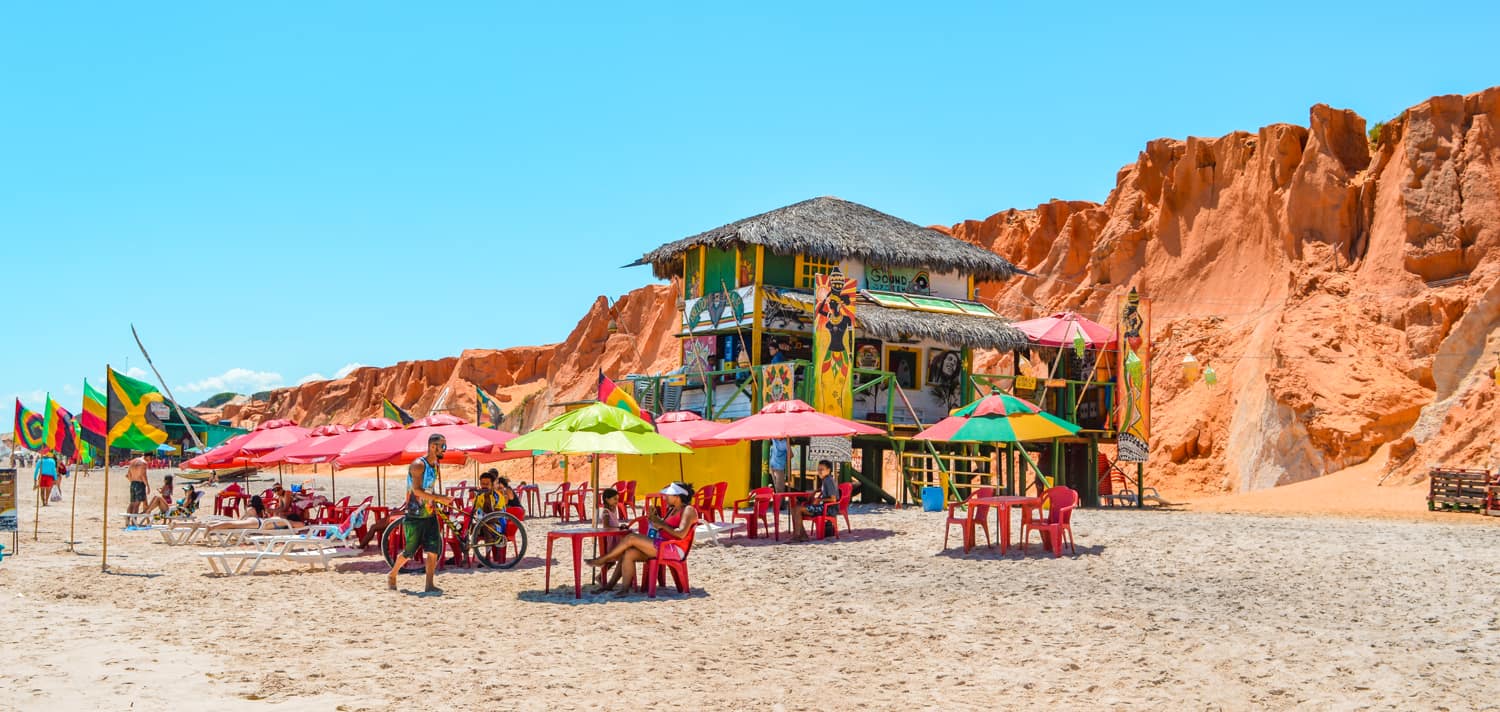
998,418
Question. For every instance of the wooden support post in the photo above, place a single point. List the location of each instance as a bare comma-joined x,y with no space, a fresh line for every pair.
1140,485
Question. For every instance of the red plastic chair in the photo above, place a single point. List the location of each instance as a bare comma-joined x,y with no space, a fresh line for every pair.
758,512
846,495
626,488
553,500
973,514
830,513
573,503
721,490
1056,524
657,568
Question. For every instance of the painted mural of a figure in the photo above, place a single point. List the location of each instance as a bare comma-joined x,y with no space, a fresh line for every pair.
1135,413
833,342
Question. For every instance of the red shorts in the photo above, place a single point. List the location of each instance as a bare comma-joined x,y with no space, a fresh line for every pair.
44,480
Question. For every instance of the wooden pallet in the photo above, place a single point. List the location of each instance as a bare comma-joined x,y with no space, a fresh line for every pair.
1459,489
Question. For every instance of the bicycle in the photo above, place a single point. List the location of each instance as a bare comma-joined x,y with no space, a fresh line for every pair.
496,540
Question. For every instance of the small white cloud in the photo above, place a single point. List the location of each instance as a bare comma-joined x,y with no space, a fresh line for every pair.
309,378
239,380
70,389
135,372
35,400
348,369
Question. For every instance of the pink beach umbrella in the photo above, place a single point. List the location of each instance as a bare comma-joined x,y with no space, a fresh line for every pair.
1063,329
403,446
792,419
685,427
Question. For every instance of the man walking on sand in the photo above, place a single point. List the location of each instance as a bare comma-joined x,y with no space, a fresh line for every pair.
420,524
136,475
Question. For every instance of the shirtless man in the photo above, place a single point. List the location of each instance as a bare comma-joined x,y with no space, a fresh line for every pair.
136,475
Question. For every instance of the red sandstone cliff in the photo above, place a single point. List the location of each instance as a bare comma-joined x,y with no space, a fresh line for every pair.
532,376
1346,293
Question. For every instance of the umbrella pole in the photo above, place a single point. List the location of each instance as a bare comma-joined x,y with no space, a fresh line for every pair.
594,480
333,480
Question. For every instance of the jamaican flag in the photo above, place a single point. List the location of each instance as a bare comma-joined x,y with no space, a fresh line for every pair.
60,435
31,428
487,407
91,423
133,421
395,413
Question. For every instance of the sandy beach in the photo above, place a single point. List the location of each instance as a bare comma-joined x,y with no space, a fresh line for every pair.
1158,609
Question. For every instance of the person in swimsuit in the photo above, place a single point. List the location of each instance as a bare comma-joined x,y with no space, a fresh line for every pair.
259,521
663,532
420,524
162,500
136,474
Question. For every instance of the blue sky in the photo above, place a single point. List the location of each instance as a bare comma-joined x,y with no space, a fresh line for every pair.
277,190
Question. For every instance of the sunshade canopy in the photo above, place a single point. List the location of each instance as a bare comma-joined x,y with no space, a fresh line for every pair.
998,418
793,419
1064,329
685,427
398,447
597,428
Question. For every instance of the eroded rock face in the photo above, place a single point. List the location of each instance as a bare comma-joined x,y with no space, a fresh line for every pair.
1344,292
532,377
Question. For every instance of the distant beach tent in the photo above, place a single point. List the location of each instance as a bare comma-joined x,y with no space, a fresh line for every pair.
1063,329
399,447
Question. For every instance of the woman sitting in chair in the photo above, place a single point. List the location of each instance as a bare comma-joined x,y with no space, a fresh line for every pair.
162,500
188,505
659,539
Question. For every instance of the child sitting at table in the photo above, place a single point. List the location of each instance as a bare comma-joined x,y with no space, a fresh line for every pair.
827,494
609,518
487,499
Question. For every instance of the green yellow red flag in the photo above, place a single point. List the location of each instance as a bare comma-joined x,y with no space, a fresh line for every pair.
134,411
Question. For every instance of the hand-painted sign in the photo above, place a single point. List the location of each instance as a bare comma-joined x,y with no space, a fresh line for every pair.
719,310
9,515
905,280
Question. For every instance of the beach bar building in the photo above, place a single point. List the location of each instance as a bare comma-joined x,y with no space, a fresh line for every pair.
747,332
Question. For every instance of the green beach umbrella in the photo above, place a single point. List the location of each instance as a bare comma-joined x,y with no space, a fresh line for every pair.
597,429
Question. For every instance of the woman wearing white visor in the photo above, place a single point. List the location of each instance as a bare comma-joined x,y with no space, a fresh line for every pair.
659,538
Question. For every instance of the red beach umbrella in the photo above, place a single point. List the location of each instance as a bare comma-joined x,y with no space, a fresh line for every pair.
685,427
792,419
1063,329
399,447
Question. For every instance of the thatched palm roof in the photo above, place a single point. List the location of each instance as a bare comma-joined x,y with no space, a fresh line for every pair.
834,229
886,324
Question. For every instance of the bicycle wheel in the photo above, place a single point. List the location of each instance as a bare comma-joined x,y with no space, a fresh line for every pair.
498,540
393,541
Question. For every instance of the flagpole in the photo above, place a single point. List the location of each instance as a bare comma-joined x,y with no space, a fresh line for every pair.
72,508
36,521
185,424
104,555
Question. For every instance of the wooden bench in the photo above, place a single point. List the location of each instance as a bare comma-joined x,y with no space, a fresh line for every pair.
1459,489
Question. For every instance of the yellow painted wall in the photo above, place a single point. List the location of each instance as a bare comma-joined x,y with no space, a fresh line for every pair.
730,463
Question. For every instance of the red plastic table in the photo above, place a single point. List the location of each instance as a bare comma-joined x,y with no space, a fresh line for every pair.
576,535
1002,505
776,499
532,493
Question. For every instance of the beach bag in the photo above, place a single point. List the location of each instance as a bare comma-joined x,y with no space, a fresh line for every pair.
57,494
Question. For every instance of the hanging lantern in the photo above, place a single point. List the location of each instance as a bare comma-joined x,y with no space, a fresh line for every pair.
1209,376
1189,369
